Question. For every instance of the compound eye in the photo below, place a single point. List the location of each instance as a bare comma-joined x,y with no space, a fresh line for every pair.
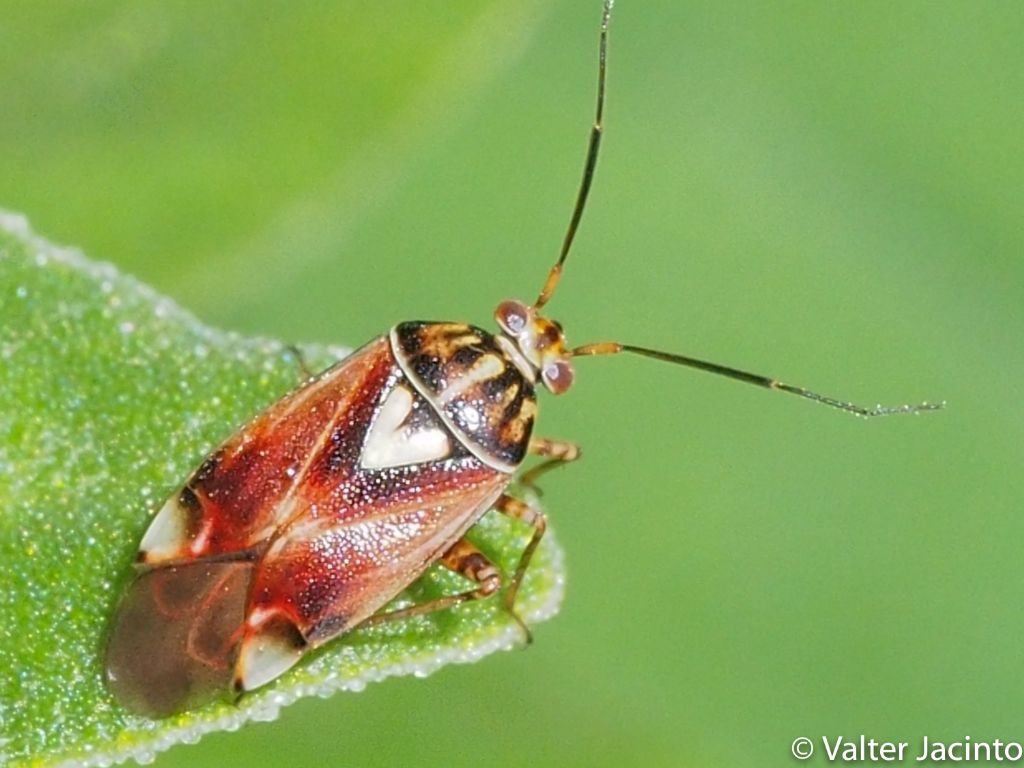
513,317
558,376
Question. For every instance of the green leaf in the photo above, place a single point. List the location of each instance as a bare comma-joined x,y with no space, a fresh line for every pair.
109,395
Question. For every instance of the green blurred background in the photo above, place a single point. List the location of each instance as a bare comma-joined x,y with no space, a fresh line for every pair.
826,192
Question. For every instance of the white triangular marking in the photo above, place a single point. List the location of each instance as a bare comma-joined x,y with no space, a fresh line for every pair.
264,658
389,444
167,535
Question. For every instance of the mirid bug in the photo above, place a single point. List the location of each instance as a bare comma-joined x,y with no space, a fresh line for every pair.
311,519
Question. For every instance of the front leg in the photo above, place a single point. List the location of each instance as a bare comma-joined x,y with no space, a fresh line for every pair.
557,453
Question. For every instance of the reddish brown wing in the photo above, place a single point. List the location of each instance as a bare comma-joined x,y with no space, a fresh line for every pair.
372,515
326,574
238,497
294,531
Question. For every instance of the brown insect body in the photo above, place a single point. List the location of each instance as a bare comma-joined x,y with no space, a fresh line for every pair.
318,513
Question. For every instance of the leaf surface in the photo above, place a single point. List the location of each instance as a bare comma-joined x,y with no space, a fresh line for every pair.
109,395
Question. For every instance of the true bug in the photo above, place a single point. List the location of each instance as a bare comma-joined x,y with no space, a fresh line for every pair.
312,518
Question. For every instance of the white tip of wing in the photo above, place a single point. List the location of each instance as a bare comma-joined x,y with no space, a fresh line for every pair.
167,535
266,654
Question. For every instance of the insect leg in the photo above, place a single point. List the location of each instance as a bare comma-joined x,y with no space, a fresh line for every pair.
529,514
557,452
468,561
300,360
464,559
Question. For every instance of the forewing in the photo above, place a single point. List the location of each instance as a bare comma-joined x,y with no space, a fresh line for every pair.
324,576
174,642
372,516
242,492
328,575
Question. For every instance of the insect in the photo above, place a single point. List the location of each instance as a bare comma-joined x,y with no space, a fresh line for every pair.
311,519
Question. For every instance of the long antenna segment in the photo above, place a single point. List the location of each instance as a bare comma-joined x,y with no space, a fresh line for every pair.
588,169
757,379
614,347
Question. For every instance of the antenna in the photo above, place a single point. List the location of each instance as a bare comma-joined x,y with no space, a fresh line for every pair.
588,168
613,347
